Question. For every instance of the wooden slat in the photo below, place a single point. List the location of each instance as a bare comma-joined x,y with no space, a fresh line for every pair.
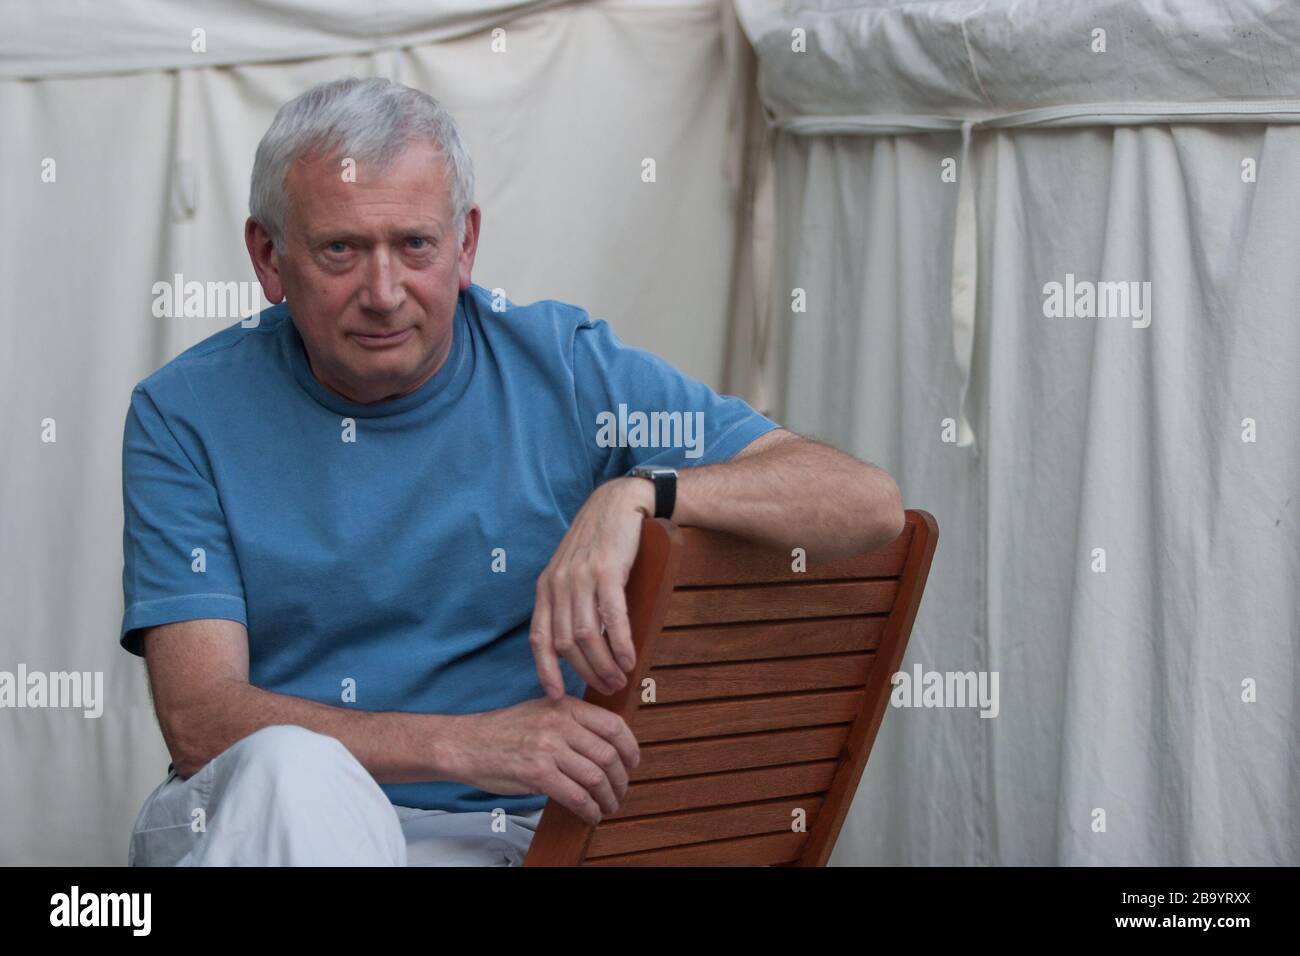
770,849
715,681
752,642
715,789
749,563
675,829
683,721
738,752
779,602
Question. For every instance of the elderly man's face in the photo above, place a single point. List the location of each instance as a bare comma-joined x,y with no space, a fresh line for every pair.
371,270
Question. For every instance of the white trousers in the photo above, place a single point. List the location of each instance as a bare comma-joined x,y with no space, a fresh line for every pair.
288,796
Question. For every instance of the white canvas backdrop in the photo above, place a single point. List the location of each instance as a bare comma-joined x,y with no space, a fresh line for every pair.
153,156
1120,692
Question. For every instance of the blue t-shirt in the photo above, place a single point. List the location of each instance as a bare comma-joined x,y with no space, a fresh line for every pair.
395,570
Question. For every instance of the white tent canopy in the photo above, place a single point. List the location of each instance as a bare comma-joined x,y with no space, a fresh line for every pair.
975,59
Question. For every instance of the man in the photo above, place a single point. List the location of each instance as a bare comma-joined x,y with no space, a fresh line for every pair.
376,542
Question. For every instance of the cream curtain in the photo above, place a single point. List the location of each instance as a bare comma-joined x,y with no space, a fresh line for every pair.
1118,529
152,156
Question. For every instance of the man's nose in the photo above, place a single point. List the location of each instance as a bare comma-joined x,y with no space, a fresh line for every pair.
382,291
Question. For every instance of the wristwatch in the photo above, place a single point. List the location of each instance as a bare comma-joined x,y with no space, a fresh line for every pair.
665,482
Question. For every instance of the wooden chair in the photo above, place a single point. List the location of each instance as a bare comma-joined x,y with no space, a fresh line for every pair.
757,695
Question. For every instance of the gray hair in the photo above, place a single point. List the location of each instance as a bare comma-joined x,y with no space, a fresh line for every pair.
370,120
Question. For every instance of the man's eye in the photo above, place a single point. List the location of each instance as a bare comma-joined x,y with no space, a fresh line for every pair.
338,245
419,239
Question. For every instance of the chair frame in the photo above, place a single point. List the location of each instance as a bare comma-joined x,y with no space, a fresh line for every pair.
562,838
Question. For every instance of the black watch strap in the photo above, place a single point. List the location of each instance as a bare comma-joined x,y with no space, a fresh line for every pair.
665,482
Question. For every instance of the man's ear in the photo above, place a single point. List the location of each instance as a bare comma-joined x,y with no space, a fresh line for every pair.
469,248
262,251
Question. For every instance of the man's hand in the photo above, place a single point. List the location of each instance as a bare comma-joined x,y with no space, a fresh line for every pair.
576,753
580,613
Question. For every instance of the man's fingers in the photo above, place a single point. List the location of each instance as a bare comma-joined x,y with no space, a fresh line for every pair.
613,615
561,600
539,637
569,793
591,777
605,755
609,726
587,632
562,626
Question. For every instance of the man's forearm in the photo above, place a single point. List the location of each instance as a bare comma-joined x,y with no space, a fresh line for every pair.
794,493
395,747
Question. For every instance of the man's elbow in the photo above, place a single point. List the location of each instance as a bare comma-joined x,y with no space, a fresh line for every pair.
187,761
888,520
869,524
187,745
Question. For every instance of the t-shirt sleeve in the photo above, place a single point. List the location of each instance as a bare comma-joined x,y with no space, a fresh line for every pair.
178,561
637,409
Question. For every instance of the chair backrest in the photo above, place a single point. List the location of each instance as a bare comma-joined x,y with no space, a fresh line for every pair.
758,691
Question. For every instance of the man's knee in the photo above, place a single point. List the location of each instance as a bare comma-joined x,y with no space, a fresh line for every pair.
290,747
309,788
286,758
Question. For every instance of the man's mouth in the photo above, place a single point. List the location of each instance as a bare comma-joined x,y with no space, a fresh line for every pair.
383,341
